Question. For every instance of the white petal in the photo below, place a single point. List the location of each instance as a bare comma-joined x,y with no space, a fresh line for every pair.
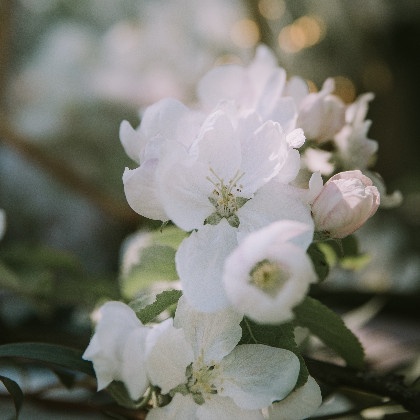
168,358
296,138
162,118
275,201
290,168
184,189
255,375
117,322
217,146
181,407
222,408
133,364
211,336
199,262
141,191
224,82
285,113
298,405
131,141
271,92
261,156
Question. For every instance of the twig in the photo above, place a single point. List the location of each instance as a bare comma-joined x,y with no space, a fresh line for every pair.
67,176
390,385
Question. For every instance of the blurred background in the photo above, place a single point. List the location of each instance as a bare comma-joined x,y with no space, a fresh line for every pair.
70,72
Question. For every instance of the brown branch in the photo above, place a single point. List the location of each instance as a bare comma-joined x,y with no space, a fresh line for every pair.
6,7
67,176
391,385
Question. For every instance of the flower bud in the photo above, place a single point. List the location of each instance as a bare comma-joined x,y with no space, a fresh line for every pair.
321,115
345,202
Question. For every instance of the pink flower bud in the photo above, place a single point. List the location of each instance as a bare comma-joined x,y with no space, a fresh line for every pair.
345,202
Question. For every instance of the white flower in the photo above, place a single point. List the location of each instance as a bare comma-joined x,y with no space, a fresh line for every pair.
231,181
354,149
344,204
321,115
211,377
167,120
299,404
269,272
260,87
117,349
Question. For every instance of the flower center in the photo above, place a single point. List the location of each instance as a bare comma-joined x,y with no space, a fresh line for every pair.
224,199
269,277
201,381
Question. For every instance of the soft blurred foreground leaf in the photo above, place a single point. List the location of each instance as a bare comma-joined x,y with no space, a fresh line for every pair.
163,301
149,257
319,261
14,390
64,357
280,336
330,328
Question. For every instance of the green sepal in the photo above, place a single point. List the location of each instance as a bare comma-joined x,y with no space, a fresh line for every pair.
162,302
233,220
213,219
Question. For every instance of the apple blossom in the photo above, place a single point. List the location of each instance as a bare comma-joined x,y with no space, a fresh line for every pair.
260,87
321,114
199,363
354,150
228,183
167,120
269,272
344,204
117,349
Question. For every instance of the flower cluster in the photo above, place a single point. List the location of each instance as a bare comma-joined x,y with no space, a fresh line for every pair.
242,171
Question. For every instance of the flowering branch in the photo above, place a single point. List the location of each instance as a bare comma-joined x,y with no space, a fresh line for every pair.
389,385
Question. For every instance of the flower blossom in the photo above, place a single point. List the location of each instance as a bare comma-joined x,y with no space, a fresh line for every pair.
231,181
269,272
259,87
198,362
321,115
117,349
344,204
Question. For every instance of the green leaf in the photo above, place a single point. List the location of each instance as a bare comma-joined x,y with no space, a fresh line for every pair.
330,328
163,301
280,336
157,263
170,236
319,261
64,357
14,390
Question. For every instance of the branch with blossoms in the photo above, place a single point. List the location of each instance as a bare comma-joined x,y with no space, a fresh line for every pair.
254,180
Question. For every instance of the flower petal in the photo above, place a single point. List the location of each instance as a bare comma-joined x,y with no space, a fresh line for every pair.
222,408
298,405
181,407
168,355
133,364
199,262
255,375
211,336
140,191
